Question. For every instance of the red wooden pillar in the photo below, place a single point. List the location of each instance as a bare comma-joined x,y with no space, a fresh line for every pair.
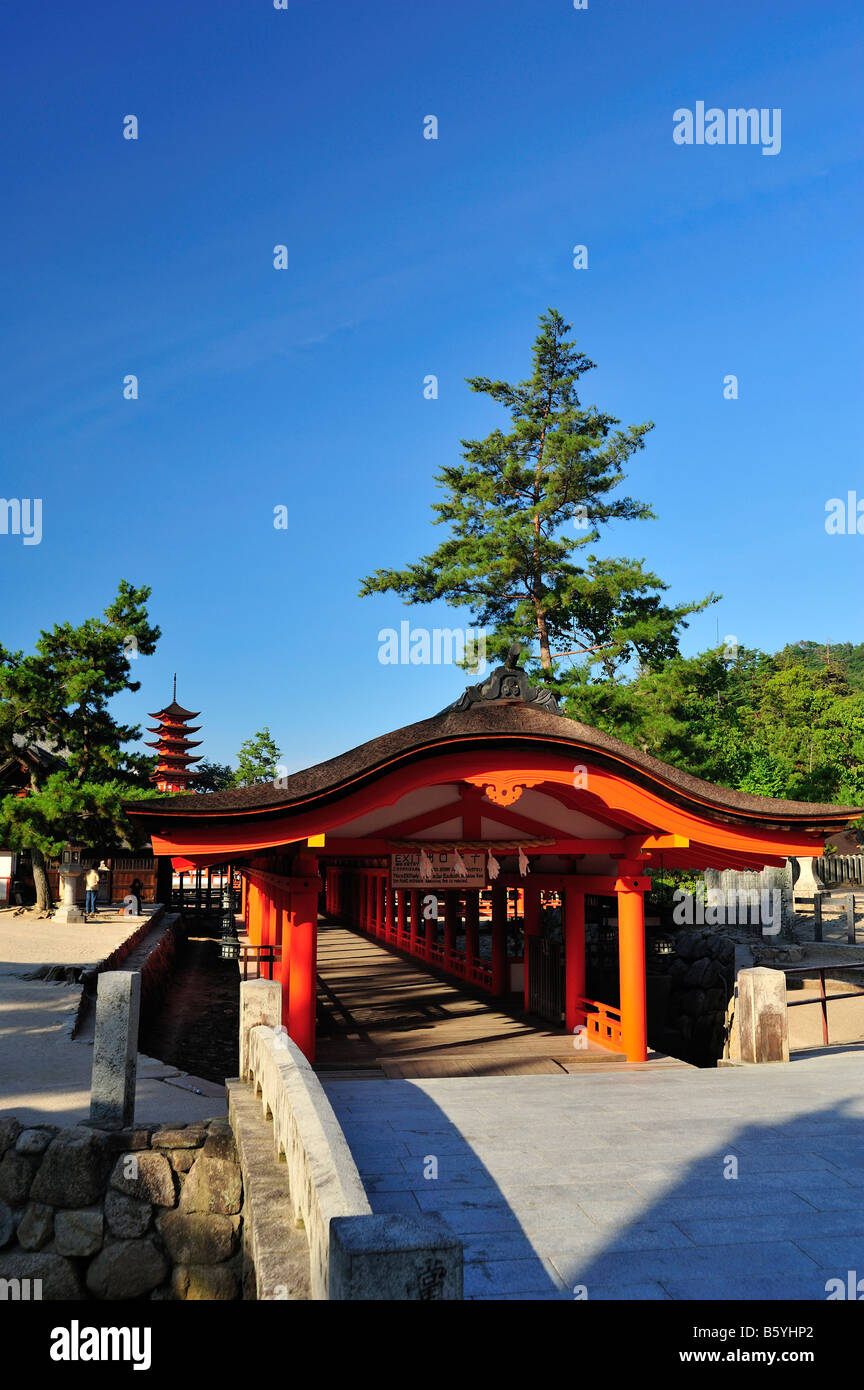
400,917
380,929
254,927
472,925
266,918
531,920
365,900
574,953
414,944
451,915
631,966
304,944
389,910
500,982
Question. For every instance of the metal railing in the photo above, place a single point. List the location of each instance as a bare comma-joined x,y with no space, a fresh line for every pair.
823,999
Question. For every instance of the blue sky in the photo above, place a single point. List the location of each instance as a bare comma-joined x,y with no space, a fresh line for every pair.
304,387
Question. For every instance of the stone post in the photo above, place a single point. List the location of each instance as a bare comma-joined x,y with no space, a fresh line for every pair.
763,1031
394,1258
260,1002
115,1049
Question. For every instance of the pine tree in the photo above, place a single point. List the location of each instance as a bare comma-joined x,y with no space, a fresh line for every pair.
524,510
213,777
257,760
58,697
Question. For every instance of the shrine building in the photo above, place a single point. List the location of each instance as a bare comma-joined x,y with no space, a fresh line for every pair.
494,806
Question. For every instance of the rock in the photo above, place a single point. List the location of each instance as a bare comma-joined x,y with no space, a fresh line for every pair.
34,1141
181,1160
78,1232
213,1283
16,1176
213,1185
7,1224
716,1000
677,971
127,1140
58,1277
150,1178
9,1131
692,1002
189,1137
126,1216
195,1239
220,1144
73,1169
700,974
126,1269
36,1226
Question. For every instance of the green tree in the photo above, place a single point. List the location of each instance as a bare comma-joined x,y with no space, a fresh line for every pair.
257,760
213,777
524,510
58,696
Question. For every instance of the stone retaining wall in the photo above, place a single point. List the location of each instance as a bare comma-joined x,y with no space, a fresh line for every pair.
150,1212
701,978
155,968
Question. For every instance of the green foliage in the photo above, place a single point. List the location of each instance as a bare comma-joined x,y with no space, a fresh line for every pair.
257,760
213,777
525,509
762,724
845,657
58,696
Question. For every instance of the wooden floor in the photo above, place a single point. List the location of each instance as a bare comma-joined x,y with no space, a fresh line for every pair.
382,1013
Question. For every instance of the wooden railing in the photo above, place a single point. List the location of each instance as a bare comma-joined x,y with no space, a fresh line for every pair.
823,999
602,1021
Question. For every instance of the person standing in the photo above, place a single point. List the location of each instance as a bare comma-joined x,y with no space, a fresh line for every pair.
136,888
91,883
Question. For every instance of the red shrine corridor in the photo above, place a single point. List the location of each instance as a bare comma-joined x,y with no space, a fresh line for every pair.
382,1013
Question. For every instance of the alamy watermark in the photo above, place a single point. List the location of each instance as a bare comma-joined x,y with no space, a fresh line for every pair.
736,126
730,907
438,646
21,516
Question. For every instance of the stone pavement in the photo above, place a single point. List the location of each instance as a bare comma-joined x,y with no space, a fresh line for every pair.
44,1074
625,1183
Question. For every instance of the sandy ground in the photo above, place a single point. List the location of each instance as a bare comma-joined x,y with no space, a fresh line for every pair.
44,1073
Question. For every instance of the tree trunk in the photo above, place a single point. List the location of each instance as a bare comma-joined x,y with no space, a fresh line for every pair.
44,899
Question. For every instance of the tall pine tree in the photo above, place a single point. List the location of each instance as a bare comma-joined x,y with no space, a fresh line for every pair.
524,510
58,697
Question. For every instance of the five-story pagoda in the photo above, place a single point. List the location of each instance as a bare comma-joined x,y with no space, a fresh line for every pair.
173,773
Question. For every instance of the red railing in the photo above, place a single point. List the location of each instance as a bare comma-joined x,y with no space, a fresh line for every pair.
602,1021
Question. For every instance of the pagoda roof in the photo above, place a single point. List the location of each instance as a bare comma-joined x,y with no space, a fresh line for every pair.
165,740
174,711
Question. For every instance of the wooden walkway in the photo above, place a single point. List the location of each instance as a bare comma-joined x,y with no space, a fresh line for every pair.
382,1013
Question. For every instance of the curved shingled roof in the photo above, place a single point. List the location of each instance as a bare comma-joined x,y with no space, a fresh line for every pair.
497,725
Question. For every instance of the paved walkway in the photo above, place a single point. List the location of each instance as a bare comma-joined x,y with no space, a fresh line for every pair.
624,1183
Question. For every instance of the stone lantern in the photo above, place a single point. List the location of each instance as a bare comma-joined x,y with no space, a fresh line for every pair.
71,873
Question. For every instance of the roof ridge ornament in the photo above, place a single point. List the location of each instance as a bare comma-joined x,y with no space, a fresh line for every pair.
507,685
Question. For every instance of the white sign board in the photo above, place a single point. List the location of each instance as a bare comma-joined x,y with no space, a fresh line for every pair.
405,870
